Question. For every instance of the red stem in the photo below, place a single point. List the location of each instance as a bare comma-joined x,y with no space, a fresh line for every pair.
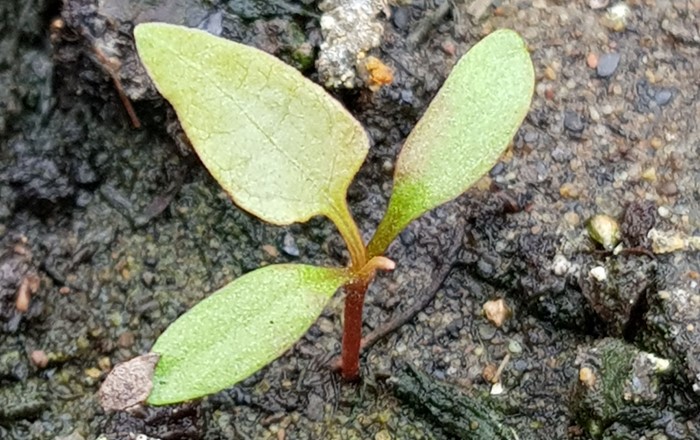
352,331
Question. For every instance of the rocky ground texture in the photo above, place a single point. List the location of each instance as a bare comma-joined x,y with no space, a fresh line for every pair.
110,228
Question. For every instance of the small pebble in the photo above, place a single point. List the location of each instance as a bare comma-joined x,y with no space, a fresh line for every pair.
29,285
448,46
148,278
400,18
497,389
549,73
93,373
496,311
39,358
325,325
587,377
486,332
649,175
607,64
573,122
598,4
289,245
599,273
668,189
489,372
604,230
664,212
572,218
568,191
664,242
592,60
663,96
560,265
271,250
382,435
126,340
656,143
549,93
104,363
617,17
515,347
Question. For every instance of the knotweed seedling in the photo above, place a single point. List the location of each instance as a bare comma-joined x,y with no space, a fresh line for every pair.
286,151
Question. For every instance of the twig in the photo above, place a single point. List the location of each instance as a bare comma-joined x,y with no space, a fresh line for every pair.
111,67
501,367
439,276
447,262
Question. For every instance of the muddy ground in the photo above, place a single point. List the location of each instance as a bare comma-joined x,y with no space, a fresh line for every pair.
113,231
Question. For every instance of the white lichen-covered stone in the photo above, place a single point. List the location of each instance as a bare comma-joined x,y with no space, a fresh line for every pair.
350,29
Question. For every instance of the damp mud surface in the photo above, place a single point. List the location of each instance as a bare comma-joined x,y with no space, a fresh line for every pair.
109,232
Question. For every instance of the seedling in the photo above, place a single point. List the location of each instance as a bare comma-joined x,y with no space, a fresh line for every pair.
286,151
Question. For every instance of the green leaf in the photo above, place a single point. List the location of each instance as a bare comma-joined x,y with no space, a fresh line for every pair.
276,142
465,129
239,329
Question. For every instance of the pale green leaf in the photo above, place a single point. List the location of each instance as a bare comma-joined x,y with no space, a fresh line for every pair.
465,129
239,329
276,142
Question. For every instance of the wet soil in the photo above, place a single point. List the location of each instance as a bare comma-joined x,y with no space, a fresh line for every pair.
113,231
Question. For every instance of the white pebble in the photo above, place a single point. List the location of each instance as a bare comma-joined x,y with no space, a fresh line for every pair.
560,265
599,273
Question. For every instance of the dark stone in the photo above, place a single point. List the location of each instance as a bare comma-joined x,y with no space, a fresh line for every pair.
663,96
573,122
454,327
650,98
497,169
400,18
407,237
407,97
607,64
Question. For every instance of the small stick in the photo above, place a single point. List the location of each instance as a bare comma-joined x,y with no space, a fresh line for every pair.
439,276
111,67
499,370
